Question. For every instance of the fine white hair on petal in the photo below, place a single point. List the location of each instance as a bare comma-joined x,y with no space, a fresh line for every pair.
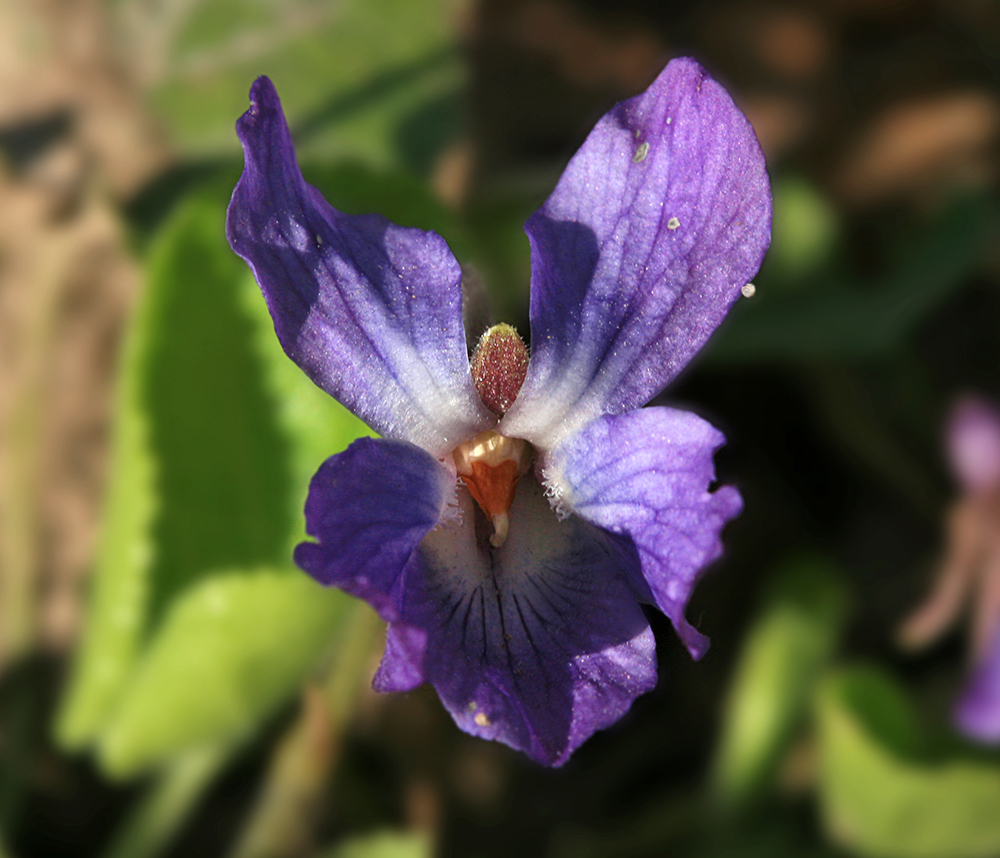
556,493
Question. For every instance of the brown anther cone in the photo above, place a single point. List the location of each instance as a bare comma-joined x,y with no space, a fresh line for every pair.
499,365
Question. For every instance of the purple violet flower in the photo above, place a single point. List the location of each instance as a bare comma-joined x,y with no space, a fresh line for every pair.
977,710
973,446
970,570
511,519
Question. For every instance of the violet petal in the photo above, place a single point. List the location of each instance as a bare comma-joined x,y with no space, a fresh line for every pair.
646,475
536,644
372,312
369,507
658,221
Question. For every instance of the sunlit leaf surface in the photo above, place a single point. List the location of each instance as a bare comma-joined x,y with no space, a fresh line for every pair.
879,797
781,661
218,436
228,652
384,844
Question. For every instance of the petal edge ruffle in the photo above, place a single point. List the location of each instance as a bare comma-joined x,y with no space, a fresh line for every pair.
646,475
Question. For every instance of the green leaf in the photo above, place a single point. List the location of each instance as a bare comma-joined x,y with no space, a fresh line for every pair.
217,436
229,651
384,844
222,461
878,799
362,78
852,321
785,651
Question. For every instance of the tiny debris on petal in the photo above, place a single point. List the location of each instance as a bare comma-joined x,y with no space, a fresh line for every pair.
641,152
673,223
748,290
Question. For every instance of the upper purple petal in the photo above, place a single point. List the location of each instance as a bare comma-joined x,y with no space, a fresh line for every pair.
535,644
647,475
369,507
659,220
371,311
977,713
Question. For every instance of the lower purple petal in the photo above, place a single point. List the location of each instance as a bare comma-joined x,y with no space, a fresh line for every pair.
977,713
536,644
646,474
402,667
369,507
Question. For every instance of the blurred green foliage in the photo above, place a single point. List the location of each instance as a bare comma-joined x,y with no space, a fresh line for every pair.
384,845
788,647
804,233
230,650
353,86
879,796
847,317
211,421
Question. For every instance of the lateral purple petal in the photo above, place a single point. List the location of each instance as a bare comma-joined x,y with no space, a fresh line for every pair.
646,475
372,312
369,507
536,644
977,713
659,220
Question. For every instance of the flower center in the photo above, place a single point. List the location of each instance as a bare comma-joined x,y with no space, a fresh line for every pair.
490,464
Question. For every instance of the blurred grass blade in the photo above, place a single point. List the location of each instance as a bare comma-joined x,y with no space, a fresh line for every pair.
784,652
161,813
230,650
384,844
285,814
878,798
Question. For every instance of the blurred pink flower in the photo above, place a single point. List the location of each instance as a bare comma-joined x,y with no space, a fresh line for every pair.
971,568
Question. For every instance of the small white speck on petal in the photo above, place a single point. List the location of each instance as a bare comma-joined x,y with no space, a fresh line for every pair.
673,223
669,119
749,290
